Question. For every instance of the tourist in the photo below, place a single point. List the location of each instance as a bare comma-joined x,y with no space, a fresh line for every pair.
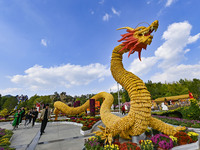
27,118
45,115
30,118
123,110
34,116
22,114
16,119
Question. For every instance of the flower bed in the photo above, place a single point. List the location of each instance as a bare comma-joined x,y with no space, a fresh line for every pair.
5,136
87,121
179,121
6,120
191,112
153,141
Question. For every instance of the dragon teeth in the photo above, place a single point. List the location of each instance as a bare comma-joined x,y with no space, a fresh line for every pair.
155,29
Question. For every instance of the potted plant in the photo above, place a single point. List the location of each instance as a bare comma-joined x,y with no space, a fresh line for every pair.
148,133
146,145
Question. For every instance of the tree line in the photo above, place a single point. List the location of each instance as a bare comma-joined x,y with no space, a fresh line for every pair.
156,90
175,88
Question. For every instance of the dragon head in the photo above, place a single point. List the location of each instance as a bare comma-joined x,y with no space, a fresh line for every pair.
138,38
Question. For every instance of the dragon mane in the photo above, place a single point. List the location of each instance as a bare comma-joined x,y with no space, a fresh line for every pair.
132,43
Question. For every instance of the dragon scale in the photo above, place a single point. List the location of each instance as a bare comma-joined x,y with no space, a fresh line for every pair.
140,98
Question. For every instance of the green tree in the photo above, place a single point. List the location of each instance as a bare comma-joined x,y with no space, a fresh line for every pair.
0,102
4,113
194,87
10,103
115,96
44,100
22,104
125,96
31,101
3,99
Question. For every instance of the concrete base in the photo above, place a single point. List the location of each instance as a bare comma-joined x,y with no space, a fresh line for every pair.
136,139
192,146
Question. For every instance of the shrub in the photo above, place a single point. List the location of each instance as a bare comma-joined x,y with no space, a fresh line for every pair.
128,146
183,138
191,112
84,128
195,125
193,135
154,131
148,132
93,143
162,141
4,142
175,140
111,147
146,144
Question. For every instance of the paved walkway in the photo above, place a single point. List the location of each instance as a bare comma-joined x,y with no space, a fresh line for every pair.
57,136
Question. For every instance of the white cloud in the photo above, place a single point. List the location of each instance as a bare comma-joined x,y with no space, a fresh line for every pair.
142,67
169,2
106,17
38,78
11,91
187,50
44,42
169,56
176,38
194,38
102,1
148,2
92,12
175,73
115,12
101,79
114,88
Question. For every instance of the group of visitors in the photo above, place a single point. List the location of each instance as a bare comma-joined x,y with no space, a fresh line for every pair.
32,115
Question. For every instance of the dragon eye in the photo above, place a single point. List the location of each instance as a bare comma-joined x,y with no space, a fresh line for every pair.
140,34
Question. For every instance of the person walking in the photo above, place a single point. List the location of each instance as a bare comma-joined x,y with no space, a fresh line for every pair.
123,110
27,118
22,113
34,116
30,118
16,120
45,115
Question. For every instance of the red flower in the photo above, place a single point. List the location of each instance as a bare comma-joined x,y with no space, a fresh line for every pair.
183,138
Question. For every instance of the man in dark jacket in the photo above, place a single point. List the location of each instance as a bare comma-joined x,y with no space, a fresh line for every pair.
34,116
22,113
45,115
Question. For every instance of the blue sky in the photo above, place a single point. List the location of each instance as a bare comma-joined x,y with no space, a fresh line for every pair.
49,45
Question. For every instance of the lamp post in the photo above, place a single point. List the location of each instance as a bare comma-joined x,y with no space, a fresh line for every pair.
118,96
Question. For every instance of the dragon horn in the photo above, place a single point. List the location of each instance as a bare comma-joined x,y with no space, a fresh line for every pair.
128,28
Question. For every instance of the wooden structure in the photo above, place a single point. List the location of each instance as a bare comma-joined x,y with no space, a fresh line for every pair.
173,99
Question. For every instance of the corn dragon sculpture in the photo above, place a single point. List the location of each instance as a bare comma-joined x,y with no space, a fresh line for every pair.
139,116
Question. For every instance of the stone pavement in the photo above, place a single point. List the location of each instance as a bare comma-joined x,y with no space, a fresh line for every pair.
57,136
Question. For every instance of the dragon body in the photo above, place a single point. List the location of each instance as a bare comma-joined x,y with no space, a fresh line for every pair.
139,116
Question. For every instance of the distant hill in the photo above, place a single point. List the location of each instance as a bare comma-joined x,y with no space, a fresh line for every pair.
8,96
